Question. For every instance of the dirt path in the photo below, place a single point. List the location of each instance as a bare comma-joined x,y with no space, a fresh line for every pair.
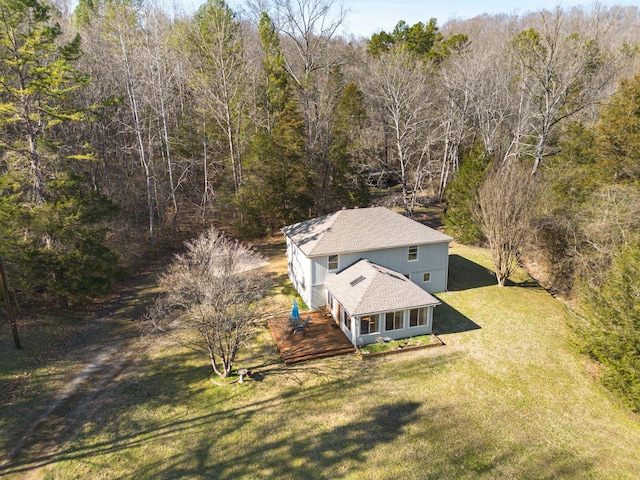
110,345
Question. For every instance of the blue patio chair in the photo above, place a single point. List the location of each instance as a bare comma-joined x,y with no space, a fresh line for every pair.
306,323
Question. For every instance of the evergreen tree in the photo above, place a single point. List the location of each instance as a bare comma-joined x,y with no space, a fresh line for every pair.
618,133
423,40
277,189
612,334
37,76
348,184
462,194
52,228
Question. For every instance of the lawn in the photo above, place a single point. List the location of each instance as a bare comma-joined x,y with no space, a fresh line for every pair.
508,396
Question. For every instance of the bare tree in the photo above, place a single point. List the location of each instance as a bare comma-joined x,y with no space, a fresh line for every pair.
563,70
212,298
216,52
506,202
399,84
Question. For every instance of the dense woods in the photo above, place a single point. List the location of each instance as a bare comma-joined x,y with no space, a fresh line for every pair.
126,127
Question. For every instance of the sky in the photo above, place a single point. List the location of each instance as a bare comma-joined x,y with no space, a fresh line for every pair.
370,16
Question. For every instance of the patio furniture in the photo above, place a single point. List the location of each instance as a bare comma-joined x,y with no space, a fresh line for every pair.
298,329
306,323
294,322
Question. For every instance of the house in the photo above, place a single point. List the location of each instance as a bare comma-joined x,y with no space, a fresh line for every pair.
373,267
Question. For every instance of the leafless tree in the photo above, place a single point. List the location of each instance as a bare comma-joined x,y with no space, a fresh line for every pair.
506,204
563,69
219,75
399,84
211,299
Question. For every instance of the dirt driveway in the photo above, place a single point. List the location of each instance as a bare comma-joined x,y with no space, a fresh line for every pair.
108,345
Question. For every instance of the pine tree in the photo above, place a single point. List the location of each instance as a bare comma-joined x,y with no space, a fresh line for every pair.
348,185
277,189
618,133
52,227
462,195
37,76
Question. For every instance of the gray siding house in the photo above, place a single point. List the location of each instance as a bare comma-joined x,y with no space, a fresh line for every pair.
325,255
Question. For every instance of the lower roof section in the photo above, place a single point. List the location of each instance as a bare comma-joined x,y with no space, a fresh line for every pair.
366,288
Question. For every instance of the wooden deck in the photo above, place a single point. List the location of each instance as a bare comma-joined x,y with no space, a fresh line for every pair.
322,339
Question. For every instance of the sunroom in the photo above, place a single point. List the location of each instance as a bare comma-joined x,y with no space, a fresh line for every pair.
369,302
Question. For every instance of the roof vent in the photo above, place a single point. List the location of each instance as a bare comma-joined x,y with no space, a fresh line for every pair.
353,283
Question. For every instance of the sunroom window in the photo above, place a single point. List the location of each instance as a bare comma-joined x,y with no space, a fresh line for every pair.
417,317
393,320
369,324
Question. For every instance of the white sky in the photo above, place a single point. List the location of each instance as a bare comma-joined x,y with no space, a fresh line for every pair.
370,16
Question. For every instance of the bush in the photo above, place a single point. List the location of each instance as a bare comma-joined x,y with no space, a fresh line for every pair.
612,335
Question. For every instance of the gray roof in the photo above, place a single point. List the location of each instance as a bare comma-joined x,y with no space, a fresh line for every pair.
367,288
359,230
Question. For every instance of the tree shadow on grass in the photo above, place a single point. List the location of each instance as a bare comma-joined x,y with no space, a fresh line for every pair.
447,319
162,384
465,274
308,453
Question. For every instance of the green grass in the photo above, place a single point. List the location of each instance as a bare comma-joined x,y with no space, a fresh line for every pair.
381,347
507,397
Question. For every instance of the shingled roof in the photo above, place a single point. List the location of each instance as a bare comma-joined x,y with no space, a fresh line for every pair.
366,288
358,230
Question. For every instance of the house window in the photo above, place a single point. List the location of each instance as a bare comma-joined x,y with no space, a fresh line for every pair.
393,321
347,321
369,324
413,253
333,262
426,277
417,317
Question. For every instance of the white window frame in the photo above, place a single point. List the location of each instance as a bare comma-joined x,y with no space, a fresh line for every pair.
425,318
375,319
395,316
329,262
346,320
409,253
428,275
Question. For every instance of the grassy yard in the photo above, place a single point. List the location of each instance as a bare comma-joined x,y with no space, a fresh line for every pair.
507,397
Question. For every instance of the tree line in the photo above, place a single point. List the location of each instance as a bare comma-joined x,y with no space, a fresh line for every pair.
125,125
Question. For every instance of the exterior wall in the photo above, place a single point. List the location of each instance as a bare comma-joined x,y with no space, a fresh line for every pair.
358,340
299,268
406,332
432,259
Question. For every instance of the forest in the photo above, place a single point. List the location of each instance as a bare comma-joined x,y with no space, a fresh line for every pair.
127,128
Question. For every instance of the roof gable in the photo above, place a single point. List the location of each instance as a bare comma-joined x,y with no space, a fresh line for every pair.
366,288
358,230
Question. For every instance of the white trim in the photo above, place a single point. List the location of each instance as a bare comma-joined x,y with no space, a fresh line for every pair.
426,281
